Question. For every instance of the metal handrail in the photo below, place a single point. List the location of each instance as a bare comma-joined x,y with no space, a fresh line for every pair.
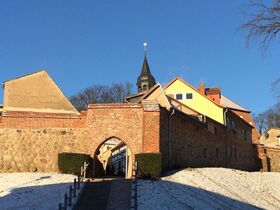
73,190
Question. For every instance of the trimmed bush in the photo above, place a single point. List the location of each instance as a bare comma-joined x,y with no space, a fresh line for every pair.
70,163
149,165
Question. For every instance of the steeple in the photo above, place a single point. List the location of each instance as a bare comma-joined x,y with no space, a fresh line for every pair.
146,80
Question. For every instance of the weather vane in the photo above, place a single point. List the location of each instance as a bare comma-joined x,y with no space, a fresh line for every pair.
145,46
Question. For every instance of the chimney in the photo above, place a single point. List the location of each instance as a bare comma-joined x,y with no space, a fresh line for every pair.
214,94
202,87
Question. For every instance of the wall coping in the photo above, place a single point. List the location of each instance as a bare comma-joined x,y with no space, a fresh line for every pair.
30,114
113,106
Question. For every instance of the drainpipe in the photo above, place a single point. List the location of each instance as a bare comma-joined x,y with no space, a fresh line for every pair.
225,122
126,163
169,136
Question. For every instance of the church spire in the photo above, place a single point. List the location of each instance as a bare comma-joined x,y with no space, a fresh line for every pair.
146,80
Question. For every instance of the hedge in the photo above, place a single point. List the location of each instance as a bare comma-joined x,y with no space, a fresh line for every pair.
149,165
70,163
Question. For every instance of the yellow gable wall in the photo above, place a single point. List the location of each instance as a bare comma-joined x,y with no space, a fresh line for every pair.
199,103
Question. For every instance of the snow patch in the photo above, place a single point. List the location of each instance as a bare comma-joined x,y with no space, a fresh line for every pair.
211,188
28,191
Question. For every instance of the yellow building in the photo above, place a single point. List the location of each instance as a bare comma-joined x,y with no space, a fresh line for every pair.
271,137
193,98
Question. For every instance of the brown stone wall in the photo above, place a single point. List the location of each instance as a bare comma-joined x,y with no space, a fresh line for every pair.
270,158
37,149
192,144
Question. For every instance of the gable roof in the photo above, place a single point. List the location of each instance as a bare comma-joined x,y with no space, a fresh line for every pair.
137,98
226,102
36,92
184,82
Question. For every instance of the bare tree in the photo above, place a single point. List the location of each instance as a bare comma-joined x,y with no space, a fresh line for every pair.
264,22
101,94
268,119
263,26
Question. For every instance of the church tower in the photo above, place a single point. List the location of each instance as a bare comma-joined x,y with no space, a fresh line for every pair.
145,80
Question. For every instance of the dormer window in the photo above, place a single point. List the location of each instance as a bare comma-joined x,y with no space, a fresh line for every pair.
179,96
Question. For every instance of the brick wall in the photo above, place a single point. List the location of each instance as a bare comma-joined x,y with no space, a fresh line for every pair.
31,142
122,121
164,137
192,144
35,120
270,158
151,127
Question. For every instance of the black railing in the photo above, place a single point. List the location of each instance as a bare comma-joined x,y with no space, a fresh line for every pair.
134,186
68,198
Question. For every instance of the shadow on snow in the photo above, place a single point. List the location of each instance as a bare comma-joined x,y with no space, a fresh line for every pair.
34,197
158,194
162,194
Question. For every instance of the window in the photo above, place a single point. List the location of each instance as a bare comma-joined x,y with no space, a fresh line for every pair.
189,96
179,96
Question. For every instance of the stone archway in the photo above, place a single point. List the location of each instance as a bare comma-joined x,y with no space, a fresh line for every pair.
97,143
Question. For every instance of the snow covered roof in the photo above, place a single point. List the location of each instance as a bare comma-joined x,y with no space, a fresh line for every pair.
226,102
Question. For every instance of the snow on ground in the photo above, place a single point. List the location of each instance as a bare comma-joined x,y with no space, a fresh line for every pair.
211,188
28,191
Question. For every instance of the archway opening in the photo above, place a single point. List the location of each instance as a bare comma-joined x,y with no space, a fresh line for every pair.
113,159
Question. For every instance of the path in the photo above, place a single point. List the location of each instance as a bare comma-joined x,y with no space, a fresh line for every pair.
107,194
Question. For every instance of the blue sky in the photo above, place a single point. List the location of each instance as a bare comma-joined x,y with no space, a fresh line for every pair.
82,43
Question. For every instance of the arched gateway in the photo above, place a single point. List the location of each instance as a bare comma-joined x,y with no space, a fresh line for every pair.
120,128
113,157
114,152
